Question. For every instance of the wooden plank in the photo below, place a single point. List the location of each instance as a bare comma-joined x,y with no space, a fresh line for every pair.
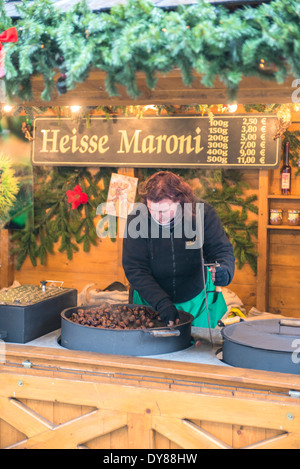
237,411
21,417
291,276
285,441
262,261
186,434
288,237
6,261
284,254
285,297
169,90
140,434
79,430
9,434
63,360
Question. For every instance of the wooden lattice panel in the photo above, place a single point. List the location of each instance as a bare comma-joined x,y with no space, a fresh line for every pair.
61,413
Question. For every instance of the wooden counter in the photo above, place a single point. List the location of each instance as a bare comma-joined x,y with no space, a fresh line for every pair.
54,398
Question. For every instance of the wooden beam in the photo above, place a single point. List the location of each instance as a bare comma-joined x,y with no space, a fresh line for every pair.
6,261
263,245
186,434
232,408
169,90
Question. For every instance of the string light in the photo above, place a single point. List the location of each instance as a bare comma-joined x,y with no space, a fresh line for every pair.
232,107
75,108
150,106
7,108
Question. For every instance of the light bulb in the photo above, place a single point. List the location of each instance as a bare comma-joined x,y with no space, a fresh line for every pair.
75,108
232,107
7,108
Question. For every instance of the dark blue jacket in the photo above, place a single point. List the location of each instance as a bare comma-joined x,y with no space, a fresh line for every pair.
162,269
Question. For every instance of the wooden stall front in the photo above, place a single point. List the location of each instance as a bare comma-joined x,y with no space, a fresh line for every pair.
58,398
54,399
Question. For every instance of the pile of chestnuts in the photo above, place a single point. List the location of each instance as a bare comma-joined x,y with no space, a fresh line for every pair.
118,317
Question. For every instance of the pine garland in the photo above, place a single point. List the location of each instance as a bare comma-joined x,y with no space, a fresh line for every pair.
202,37
54,219
9,188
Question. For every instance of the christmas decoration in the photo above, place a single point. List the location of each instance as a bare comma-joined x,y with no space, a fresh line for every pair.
207,38
55,221
8,188
76,197
10,35
27,130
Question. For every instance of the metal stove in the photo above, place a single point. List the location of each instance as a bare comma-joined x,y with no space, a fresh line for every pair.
30,311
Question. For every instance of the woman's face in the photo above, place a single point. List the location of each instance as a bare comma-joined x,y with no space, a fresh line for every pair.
163,211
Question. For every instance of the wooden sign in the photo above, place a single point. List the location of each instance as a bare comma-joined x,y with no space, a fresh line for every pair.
192,141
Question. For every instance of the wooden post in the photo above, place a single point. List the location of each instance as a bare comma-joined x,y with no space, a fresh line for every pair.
262,288
6,262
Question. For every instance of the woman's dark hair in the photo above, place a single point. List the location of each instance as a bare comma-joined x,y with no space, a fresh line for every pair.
166,185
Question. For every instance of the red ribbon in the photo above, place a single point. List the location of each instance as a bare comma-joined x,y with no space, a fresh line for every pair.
10,35
77,197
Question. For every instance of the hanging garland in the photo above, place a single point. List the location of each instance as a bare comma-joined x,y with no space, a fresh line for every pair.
258,41
65,203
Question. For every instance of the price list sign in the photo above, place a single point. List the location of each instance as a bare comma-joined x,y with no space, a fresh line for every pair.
162,142
243,141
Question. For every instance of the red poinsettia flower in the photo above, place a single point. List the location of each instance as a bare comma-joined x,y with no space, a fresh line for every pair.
77,197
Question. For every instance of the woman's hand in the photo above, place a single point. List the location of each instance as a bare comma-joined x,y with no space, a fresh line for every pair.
219,276
169,315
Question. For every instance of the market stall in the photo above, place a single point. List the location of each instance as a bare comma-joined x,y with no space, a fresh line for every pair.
68,381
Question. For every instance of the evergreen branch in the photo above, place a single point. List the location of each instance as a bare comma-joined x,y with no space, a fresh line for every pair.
208,38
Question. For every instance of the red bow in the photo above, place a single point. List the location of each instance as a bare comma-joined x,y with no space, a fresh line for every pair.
77,197
10,35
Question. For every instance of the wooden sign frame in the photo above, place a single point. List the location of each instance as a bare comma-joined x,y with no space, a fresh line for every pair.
232,141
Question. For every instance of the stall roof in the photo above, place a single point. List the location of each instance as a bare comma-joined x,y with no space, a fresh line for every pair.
169,88
100,5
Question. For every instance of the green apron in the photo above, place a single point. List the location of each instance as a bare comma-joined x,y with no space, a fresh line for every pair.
196,306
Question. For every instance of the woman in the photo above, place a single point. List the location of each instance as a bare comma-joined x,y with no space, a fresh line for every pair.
164,263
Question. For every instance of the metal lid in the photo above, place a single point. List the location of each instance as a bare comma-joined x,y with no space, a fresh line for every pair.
266,334
26,295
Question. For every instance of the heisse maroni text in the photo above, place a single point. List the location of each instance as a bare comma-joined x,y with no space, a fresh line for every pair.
54,142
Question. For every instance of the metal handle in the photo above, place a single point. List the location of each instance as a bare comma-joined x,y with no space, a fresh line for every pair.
229,321
215,264
290,322
57,281
163,333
